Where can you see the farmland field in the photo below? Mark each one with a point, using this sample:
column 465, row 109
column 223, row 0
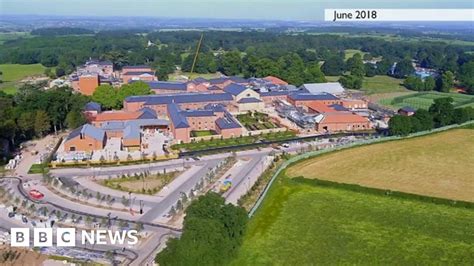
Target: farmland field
column 308, row 224
column 425, row 99
column 12, row 73
column 438, row 165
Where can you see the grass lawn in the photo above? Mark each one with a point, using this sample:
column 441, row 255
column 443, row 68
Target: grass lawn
column 37, row 169
column 425, row 99
column 12, row 73
column 382, row 84
column 308, row 224
column 439, row 165
column 377, row 84
column 137, row 184
column 16, row 72
column 351, row 52
column 202, row 133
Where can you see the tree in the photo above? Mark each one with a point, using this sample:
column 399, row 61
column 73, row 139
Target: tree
column 466, row 76
column 106, row 95
column 424, row 120
column 403, row 69
column 231, row 63
column 131, row 89
column 266, row 67
column 351, row 82
column 42, row 123
column 414, row 83
column 314, row 74
column 442, row 111
column 26, row 122
column 430, row 83
column 75, row 119
column 333, row 66
column 445, row 82
column 400, row 125
column 461, row 115
column 355, row 65
column 370, row 70
column 212, row 233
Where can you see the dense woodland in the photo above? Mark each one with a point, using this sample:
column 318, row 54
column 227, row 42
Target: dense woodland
column 293, row 57
column 33, row 112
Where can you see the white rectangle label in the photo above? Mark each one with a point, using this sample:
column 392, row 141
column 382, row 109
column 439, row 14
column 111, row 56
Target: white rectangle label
column 367, row 14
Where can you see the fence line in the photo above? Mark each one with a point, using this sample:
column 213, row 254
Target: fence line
column 359, row 143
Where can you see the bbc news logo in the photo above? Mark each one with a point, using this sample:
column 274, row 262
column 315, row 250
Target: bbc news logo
column 66, row 237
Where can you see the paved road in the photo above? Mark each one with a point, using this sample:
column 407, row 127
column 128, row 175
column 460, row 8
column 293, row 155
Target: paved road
column 160, row 208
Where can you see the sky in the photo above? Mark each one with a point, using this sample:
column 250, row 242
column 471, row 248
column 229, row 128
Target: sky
column 227, row 9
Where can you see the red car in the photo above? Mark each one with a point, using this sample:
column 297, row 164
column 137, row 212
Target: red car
column 35, row 194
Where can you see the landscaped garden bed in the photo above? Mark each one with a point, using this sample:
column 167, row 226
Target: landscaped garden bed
column 141, row 183
column 256, row 121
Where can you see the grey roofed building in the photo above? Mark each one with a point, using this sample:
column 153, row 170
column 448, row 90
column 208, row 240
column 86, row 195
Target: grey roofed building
column 165, row 85
column 338, row 107
column 274, row 93
column 136, row 73
column 200, row 80
column 119, row 125
column 181, row 98
column 131, row 132
column 328, row 87
column 305, row 96
column 197, row 113
column 236, row 79
column 178, row 120
column 227, row 122
column 215, row 107
column 218, row 80
column 147, row 113
column 234, row 89
column 87, row 130
column 407, row 109
column 93, row 106
column 135, row 67
column 249, row 100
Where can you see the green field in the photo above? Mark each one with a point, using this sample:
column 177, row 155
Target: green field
column 425, row 99
column 8, row 36
column 377, row 84
column 12, row 73
column 351, row 52
column 202, row 133
column 309, row 224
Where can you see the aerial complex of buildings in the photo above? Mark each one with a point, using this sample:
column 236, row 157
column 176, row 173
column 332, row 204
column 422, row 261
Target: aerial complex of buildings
column 177, row 110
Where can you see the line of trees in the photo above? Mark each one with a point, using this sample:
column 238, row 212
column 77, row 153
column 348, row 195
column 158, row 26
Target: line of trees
column 441, row 113
column 240, row 53
column 212, row 233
